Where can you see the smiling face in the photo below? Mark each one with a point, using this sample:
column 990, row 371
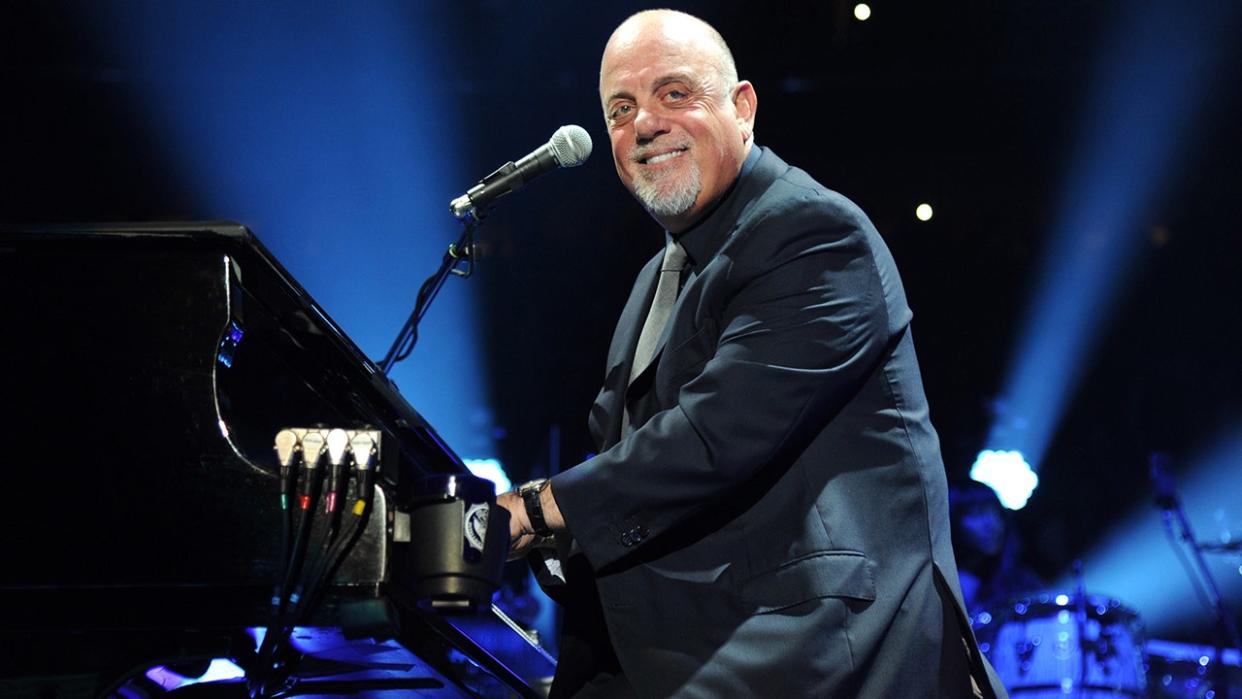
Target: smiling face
column 679, row 122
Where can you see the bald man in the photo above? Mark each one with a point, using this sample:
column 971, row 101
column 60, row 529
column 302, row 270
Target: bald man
column 767, row 515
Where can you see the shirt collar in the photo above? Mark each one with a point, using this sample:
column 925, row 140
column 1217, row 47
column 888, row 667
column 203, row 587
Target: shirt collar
column 702, row 240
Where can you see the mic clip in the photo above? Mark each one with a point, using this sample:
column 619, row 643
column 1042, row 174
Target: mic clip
column 464, row 207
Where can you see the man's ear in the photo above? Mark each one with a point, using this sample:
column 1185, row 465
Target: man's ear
column 745, row 101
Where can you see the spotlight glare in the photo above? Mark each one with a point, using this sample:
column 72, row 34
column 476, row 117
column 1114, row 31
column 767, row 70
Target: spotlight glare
column 923, row 212
column 1008, row 474
column 492, row 470
column 862, row 12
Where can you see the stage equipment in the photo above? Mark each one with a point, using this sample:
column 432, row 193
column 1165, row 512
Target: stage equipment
column 1182, row 538
column 1177, row 670
column 1054, row 646
column 570, row 146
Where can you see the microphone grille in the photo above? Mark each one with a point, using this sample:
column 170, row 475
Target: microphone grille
column 571, row 145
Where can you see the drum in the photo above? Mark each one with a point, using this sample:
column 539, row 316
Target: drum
column 1178, row 670
column 1065, row 647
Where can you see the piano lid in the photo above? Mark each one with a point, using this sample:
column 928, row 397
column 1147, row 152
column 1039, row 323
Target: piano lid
column 153, row 364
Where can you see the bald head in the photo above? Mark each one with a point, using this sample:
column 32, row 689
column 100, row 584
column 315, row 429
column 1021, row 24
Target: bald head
column 679, row 120
column 680, row 28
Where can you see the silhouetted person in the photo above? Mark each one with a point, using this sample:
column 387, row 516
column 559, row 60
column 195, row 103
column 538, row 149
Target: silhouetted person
column 988, row 551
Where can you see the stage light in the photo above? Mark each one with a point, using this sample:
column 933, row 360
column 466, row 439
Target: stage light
column 923, row 212
column 862, row 12
column 1008, row 474
column 492, row 470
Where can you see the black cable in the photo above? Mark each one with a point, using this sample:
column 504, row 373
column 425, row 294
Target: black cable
column 408, row 336
column 328, row 544
column 267, row 651
column 269, row 662
column 317, row 584
column 313, row 591
column 426, row 294
column 323, row 584
column 462, row 250
column 286, row 534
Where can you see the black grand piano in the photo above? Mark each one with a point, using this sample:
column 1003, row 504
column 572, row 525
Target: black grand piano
column 145, row 372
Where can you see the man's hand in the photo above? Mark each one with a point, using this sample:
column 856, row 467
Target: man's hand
column 521, row 534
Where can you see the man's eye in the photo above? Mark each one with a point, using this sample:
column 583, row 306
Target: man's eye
column 675, row 95
column 621, row 110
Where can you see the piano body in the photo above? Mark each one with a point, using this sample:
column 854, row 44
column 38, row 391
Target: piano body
column 146, row 370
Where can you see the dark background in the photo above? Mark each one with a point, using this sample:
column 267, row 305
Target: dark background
column 974, row 107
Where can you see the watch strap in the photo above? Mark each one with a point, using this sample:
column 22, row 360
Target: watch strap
column 531, row 493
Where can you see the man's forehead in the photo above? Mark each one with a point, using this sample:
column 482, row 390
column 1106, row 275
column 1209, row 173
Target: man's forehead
column 646, row 67
column 633, row 57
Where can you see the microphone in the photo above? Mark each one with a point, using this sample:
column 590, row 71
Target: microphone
column 569, row 147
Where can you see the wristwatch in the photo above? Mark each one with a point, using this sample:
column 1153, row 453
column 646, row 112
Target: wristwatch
column 530, row 492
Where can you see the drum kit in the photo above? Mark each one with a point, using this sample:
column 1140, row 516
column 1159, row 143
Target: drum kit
column 1081, row 646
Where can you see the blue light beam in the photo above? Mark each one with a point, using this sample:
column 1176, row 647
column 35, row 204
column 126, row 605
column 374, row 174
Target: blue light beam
column 330, row 129
column 1149, row 85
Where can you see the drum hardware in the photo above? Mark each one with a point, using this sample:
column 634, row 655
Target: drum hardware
column 1105, row 648
column 1025, row 650
column 1179, row 670
column 1177, row 526
column 1058, row 645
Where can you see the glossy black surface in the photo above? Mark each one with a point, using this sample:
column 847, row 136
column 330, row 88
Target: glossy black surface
column 145, row 371
column 143, row 453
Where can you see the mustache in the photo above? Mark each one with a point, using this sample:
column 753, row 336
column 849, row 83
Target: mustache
column 638, row 154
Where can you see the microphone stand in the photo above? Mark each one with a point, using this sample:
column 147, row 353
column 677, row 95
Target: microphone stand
column 459, row 254
column 1227, row 628
column 1080, row 619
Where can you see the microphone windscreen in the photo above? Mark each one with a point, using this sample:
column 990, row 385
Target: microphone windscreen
column 571, row 145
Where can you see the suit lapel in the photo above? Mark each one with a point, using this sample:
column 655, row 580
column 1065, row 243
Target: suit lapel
column 606, row 413
column 701, row 243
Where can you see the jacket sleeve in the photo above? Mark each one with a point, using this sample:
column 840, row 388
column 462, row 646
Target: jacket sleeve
column 803, row 323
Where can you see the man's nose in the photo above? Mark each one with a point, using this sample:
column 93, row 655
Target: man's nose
column 648, row 124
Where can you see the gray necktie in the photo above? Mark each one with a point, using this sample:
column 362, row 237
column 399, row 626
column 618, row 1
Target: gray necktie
column 661, row 307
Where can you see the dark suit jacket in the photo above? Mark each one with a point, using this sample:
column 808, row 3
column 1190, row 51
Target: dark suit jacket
column 776, row 524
